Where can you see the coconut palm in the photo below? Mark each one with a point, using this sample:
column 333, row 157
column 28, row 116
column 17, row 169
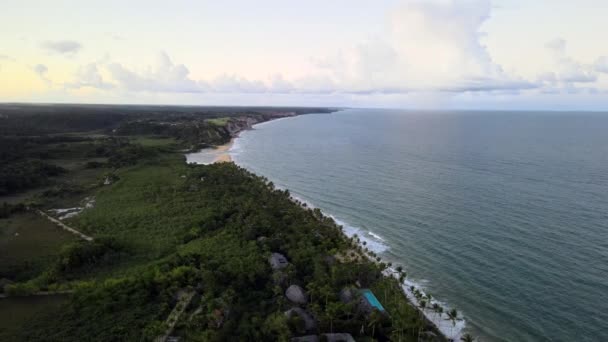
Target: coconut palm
column 467, row 338
column 374, row 319
column 453, row 316
column 422, row 305
column 402, row 278
column 435, row 307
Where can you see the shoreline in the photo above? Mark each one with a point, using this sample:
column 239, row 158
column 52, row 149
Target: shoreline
column 440, row 323
column 224, row 152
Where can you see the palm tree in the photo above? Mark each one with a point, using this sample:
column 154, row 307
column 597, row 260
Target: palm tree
column 374, row 319
column 439, row 310
column 435, row 307
column 422, row 305
column 467, row 338
column 452, row 316
column 429, row 297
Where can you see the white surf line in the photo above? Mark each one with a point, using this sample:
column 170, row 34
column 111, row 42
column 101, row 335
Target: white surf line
column 64, row 226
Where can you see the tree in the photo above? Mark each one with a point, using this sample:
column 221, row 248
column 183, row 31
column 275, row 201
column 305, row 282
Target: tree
column 467, row 338
column 374, row 320
column 453, row 316
column 333, row 311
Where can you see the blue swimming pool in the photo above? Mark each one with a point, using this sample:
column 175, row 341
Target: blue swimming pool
column 371, row 299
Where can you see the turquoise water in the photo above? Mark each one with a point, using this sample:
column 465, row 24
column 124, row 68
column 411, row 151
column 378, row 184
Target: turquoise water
column 503, row 216
column 373, row 301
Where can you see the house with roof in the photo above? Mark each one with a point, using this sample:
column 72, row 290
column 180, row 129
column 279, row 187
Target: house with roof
column 277, row 261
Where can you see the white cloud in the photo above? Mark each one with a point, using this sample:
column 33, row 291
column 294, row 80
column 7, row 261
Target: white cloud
column 568, row 71
column 601, row 64
column 89, row 76
column 65, row 47
column 163, row 77
column 235, row 84
column 431, row 46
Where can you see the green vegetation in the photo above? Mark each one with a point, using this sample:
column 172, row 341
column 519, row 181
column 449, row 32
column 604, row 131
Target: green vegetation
column 219, row 121
column 16, row 310
column 27, row 245
column 164, row 231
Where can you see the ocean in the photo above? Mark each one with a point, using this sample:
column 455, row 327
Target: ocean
column 501, row 215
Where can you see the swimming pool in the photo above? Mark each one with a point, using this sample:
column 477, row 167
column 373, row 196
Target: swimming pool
column 371, row 299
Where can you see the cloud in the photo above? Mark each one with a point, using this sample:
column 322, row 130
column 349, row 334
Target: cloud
column 601, row 64
column 558, row 45
column 115, row 36
column 235, row 84
column 41, row 70
column 431, row 45
column 89, row 76
column 6, row 58
column 65, row 47
column 568, row 71
column 165, row 76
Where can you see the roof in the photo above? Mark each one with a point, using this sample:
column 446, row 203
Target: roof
column 278, row 261
column 296, row 294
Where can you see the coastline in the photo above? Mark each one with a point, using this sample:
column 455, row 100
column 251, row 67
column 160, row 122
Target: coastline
column 439, row 321
column 223, row 150
column 221, row 153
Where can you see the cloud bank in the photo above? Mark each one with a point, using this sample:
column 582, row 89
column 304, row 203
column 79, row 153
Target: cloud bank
column 432, row 46
column 64, row 47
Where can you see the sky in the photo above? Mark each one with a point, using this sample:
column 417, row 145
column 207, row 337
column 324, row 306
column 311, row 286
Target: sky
column 430, row 54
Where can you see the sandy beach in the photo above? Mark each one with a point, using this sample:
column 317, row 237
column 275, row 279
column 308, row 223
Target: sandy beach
column 222, row 152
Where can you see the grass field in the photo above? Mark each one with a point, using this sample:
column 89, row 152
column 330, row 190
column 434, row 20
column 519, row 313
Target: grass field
column 219, row 121
column 16, row 311
column 153, row 141
column 27, row 239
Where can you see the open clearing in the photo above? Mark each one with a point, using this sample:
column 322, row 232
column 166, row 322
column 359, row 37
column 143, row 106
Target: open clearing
column 28, row 239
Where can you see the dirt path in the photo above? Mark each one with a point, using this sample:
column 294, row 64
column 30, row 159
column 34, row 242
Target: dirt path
column 184, row 300
column 64, row 226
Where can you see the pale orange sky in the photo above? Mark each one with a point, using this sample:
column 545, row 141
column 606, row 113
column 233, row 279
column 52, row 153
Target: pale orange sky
column 432, row 53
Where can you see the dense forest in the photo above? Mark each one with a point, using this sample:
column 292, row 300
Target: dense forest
column 174, row 250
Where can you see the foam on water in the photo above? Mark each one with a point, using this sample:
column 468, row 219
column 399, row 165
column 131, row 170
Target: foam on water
column 480, row 204
column 449, row 328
